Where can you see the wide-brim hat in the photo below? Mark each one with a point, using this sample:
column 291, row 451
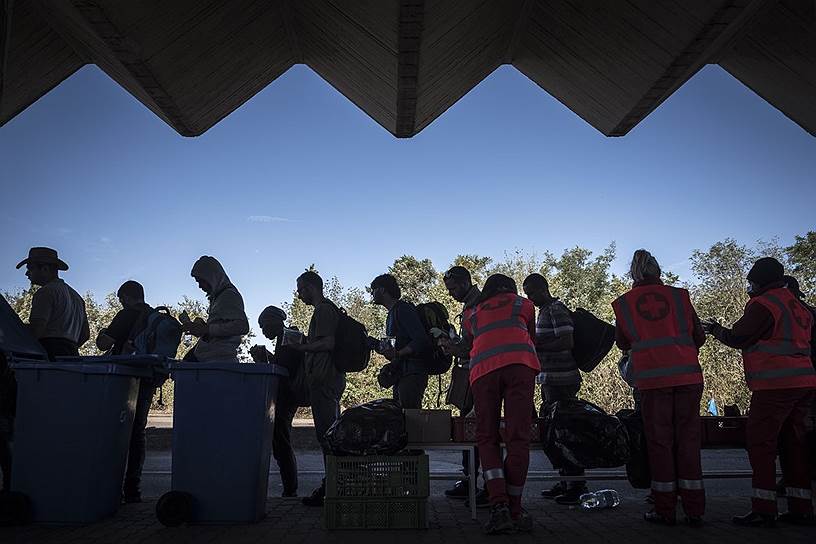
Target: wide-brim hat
column 44, row 255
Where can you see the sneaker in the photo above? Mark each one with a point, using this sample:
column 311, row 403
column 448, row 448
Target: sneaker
column 459, row 490
column 658, row 519
column 558, row 489
column 755, row 519
column 524, row 522
column 316, row 498
column 572, row 496
column 482, row 499
column 796, row 518
column 289, row 494
column 499, row 522
column 694, row 521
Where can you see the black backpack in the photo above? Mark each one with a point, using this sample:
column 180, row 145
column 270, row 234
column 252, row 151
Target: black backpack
column 435, row 315
column 351, row 352
column 592, row 339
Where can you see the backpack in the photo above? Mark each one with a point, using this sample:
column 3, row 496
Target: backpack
column 351, row 352
column 592, row 339
column 161, row 334
column 435, row 315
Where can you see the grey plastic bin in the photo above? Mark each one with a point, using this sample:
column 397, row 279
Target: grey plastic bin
column 73, row 428
column 222, row 443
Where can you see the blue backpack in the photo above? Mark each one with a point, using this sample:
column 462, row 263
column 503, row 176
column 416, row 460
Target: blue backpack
column 161, row 334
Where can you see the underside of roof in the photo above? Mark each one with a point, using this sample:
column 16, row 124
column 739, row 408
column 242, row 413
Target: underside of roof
column 404, row 62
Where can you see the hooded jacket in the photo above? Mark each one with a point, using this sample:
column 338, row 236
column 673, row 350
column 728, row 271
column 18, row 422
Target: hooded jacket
column 227, row 322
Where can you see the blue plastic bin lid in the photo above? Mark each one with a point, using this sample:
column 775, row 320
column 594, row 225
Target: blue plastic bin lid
column 240, row 368
column 15, row 338
column 111, row 369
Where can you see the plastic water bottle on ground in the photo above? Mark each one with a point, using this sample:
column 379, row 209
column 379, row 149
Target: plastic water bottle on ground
column 597, row 500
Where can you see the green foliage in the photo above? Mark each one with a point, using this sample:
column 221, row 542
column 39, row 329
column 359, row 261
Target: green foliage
column 802, row 260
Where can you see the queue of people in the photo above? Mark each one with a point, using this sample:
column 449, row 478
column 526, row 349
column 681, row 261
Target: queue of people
column 504, row 348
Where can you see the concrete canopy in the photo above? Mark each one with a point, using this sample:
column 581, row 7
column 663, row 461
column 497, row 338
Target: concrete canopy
column 404, row 62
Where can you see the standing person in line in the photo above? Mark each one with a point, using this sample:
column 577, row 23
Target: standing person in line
column 412, row 341
column 774, row 335
column 503, row 366
column 323, row 381
column 220, row 336
column 560, row 378
column 117, row 337
column 290, row 397
column 658, row 326
column 461, row 288
column 58, row 319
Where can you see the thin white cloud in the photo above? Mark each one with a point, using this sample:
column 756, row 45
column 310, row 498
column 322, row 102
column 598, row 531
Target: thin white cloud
column 268, row 219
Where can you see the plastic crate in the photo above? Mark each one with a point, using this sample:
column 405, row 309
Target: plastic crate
column 349, row 513
column 378, row 476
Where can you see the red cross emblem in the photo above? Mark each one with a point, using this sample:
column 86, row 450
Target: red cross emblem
column 652, row 306
column 799, row 313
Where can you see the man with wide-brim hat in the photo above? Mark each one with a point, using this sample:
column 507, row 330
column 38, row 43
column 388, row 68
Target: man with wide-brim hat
column 58, row 318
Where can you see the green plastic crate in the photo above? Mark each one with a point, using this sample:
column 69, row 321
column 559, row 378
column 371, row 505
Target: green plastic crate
column 351, row 513
column 378, row 476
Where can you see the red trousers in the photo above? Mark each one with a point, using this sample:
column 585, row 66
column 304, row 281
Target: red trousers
column 513, row 386
column 776, row 422
column 671, row 423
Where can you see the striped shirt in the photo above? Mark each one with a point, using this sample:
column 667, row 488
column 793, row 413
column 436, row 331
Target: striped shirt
column 554, row 345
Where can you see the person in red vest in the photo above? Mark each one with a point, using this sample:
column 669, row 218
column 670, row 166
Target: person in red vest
column 500, row 328
column 658, row 326
column 774, row 335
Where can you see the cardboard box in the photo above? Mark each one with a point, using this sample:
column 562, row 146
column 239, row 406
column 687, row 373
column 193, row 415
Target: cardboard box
column 426, row 426
column 464, row 429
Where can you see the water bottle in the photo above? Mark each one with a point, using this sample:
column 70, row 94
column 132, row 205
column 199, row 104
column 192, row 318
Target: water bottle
column 597, row 500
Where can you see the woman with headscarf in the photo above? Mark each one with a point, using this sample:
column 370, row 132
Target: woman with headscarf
column 657, row 324
column 220, row 336
column 500, row 328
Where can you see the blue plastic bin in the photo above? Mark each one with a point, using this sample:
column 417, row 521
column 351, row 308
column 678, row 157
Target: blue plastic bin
column 222, row 442
column 73, row 428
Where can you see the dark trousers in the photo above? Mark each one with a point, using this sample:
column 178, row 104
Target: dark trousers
column 671, row 423
column 776, row 422
column 138, row 441
column 59, row 347
column 512, row 386
column 324, row 399
column 6, row 437
column 465, row 456
column 551, row 394
column 282, row 450
column 410, row 390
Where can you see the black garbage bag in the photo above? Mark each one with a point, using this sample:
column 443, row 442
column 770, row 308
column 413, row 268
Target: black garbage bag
column 637, row 469
column 582, row 434
column 373, row 428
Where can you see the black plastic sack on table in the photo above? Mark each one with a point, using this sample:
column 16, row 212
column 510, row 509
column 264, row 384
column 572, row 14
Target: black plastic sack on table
column 373, row 428
column 637, row 469
column 580, row 433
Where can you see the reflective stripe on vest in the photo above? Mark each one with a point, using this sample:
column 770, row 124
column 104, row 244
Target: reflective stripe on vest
column 779, row 373
column 667, row 371
column 498, row 350
column 512, row 321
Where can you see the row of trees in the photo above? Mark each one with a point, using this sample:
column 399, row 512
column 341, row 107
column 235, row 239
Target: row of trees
column 577, row 276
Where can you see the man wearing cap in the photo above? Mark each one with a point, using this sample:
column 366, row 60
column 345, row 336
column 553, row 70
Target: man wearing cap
column 774, row 335
column 58, row 319
column 291, row 393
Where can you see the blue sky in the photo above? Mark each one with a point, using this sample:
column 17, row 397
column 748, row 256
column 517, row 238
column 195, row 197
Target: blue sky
column 299, row 175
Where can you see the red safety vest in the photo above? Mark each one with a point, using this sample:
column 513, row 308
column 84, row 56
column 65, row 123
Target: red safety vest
column 657, row 320
column 783, row 360
column 500, row 328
